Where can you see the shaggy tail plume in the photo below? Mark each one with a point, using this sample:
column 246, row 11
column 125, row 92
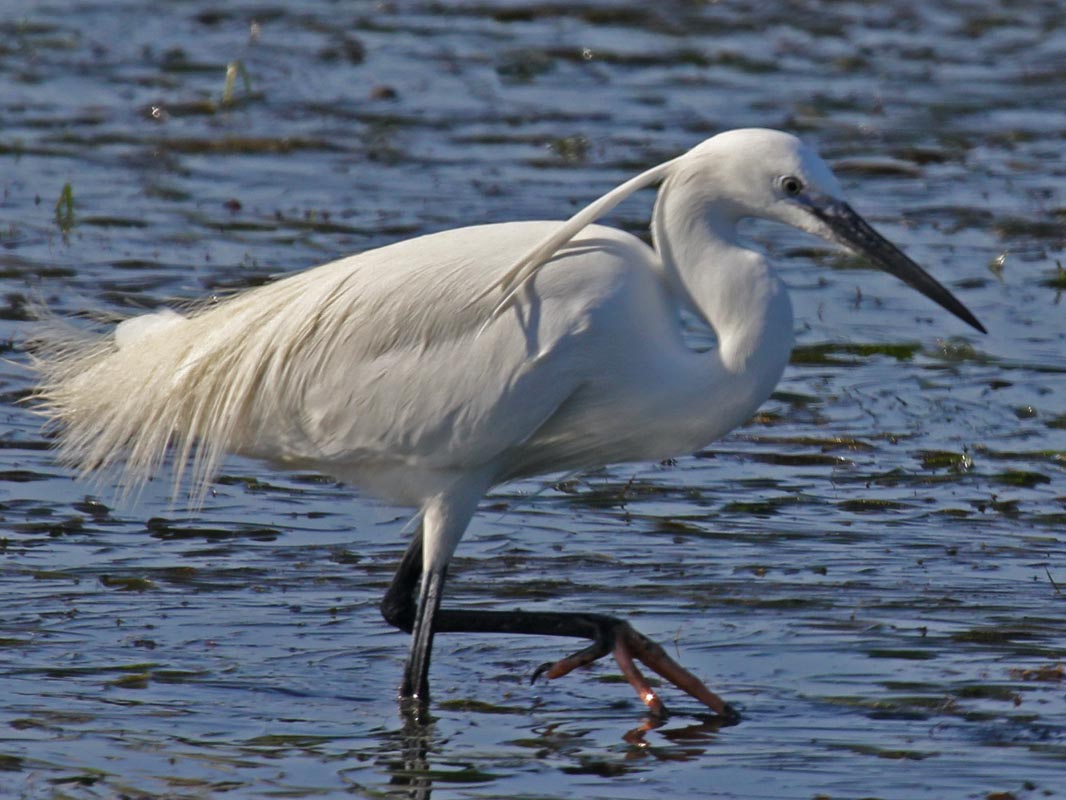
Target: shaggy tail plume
column 157, row 383
column 110, row 396
column 197, row 385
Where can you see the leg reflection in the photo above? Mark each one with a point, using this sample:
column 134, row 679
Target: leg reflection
column 410, row 773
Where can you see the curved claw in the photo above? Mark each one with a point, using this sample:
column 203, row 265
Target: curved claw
column 547, row 665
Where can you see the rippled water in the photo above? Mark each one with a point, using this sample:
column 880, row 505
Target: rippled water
column 873, row 570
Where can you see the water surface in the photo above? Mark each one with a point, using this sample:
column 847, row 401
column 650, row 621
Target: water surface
column 873, row 570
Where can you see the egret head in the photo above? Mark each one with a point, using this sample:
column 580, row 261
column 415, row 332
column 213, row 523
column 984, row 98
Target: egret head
column 763, row 173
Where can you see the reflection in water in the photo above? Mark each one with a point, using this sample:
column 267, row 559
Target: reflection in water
column 687, row 742
column 406, row 752
column 411, row 773
column 636, row 738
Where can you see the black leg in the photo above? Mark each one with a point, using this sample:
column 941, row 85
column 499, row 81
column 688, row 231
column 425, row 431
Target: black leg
column 608, row 634
column 400, row 610
column 398, row 606
column 416, row 672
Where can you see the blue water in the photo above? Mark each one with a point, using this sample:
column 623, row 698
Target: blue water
column 873, row 570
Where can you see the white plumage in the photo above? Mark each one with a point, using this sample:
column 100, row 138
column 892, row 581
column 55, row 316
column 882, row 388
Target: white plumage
column 432, row 369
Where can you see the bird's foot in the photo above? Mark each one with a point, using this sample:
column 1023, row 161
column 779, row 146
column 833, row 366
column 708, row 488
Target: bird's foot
column 626, row 644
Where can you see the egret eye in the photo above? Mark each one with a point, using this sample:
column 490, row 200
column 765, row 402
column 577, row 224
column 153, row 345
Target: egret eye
column 791, row 185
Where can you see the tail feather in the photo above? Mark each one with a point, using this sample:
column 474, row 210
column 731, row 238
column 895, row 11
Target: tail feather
column 155, row 383
column 197, row 385
column 106, row 394
column 131, row 331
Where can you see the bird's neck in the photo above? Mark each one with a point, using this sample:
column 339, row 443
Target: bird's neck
column 732, row 287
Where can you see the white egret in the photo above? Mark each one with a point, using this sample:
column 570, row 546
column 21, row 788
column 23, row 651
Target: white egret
column 432, row 369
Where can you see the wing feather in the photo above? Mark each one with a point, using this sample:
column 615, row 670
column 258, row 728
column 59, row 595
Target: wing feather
column 369, row 362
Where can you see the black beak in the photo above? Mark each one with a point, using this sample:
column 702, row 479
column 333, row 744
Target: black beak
column 855, row 233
